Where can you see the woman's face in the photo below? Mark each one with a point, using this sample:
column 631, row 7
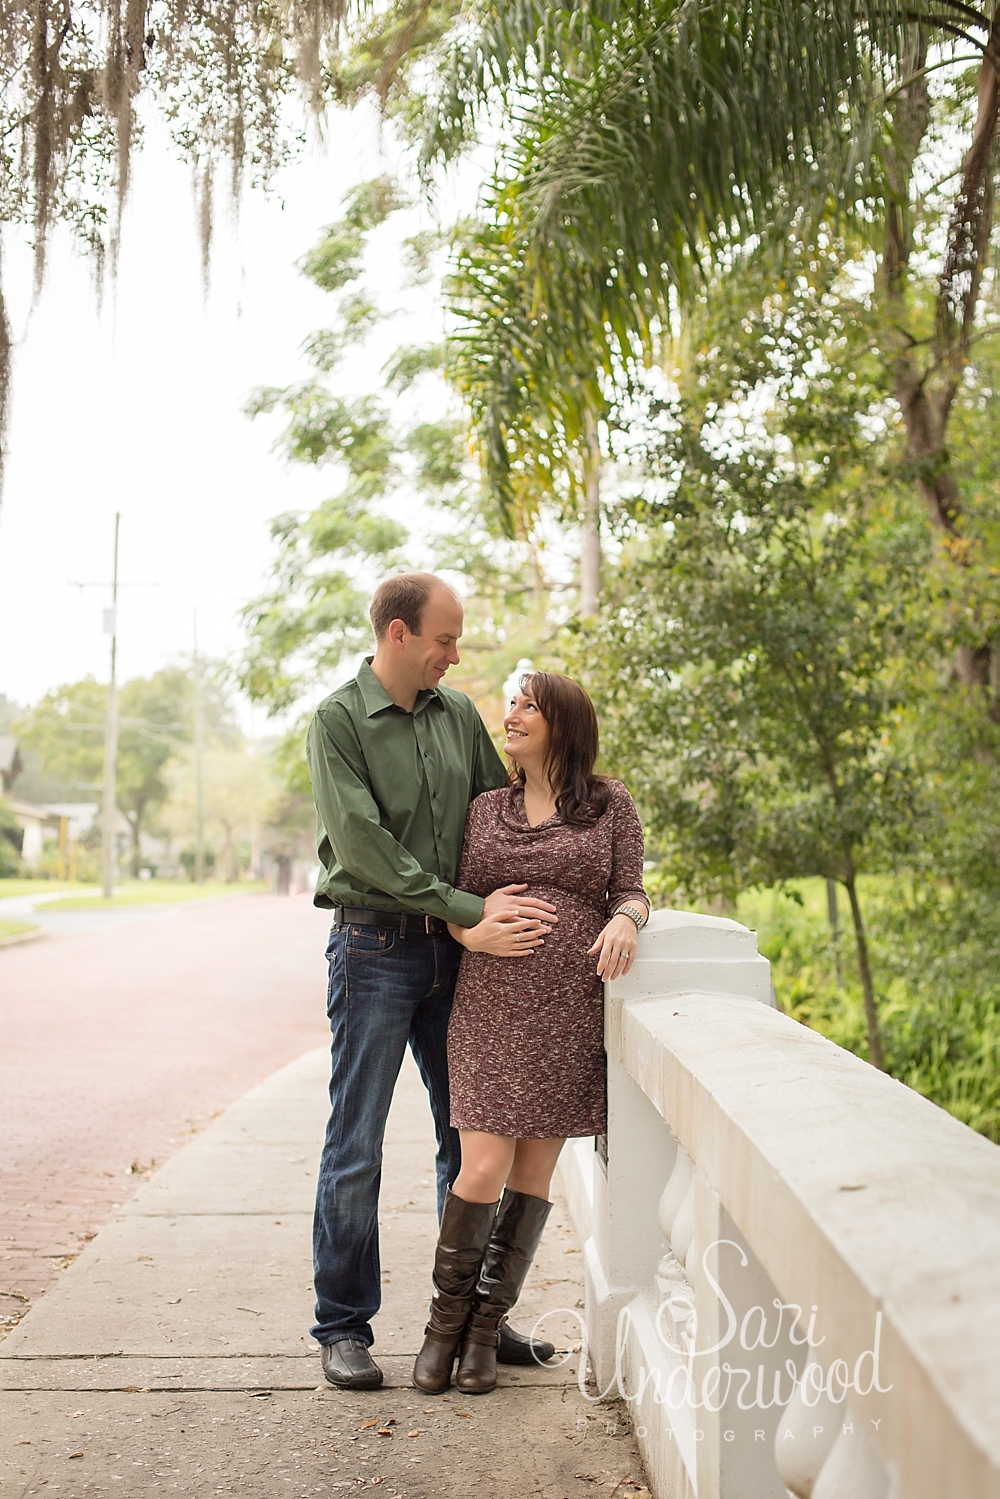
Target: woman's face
column 527, row 732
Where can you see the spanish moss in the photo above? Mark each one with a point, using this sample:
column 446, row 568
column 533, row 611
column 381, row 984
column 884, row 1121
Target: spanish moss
column 74, row 76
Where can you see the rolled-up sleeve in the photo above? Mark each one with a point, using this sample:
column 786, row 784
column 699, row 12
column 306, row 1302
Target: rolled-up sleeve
column 349, row 820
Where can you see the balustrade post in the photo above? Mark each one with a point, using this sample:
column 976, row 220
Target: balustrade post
column 678, row 951
column 740, row 1385
column 627, row 1239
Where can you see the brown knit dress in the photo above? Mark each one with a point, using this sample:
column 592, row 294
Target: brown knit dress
column 526, row 1039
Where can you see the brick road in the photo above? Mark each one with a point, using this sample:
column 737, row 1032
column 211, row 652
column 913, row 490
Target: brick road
column 117, row 1046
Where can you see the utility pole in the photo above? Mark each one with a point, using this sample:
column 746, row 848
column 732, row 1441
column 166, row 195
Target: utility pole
column 199, row 788
column 109, row 811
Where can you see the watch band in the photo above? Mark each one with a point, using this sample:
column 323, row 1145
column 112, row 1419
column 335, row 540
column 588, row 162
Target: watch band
column 636, row 913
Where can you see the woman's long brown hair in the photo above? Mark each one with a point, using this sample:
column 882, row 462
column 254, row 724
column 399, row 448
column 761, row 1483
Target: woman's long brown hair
column 574, row 739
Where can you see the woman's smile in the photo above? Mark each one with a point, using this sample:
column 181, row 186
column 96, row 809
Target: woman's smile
column 524, row 726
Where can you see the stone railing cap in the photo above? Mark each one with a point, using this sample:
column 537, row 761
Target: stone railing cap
column 687, row 934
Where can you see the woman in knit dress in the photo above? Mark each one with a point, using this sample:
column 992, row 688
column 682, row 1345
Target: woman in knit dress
column 526, row 1040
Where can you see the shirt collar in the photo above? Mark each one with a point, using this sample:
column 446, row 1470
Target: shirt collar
column 375, row 697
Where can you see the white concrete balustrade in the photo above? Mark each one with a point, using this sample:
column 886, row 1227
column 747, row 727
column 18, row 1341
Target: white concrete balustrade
column 793, row 1261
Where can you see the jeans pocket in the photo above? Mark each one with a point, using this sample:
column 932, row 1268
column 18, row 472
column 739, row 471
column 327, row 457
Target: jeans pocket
column 370, row 939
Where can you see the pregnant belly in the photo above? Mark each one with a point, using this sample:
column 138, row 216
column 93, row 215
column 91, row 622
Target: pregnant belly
column 571, row 908
column 565, row 948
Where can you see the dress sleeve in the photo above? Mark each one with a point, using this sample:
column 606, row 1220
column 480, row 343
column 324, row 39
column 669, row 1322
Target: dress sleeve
column 627, row 849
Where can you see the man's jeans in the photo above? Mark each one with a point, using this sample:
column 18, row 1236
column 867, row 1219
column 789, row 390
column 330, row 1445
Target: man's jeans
column 385, row 990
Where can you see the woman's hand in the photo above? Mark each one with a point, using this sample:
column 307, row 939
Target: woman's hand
column 504, row 935
column 616, row 946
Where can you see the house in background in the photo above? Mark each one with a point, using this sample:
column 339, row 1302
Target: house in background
column 64, row 823
column 43, row 824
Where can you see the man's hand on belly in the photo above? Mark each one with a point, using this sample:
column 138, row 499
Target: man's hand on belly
column 512, row 926
column 504, row 936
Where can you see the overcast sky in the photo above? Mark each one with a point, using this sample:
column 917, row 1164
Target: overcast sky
column 137, row 408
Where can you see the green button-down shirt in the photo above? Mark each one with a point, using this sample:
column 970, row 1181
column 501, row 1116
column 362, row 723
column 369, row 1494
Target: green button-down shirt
column 392, row 789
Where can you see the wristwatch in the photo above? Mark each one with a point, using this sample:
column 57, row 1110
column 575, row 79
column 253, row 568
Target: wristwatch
column 638, row 915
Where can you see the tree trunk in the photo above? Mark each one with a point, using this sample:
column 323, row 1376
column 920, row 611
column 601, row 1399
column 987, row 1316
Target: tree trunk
column 590, row 543
column 230, row 857
column 875, row 1053
column 833, row 918
column 926, row 389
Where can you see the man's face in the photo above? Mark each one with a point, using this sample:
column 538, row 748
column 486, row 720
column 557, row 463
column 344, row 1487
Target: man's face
column 427, row 656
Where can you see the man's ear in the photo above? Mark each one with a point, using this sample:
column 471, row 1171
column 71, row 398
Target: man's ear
column 397, row 633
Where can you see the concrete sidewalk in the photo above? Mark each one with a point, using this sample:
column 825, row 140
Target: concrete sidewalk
column 173, row 1354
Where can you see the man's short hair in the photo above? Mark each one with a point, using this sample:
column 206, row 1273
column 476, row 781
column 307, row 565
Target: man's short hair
column 404, row 597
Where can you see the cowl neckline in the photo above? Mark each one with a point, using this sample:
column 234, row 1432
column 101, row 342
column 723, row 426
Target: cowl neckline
column 513, row 815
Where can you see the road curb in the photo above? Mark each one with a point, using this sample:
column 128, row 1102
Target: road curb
column 19, row 937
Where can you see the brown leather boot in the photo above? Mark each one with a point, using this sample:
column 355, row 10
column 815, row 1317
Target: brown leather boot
column 464, row 1233
column 509, row 1253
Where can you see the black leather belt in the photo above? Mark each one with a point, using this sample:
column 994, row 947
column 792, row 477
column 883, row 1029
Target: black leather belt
column 403, row 922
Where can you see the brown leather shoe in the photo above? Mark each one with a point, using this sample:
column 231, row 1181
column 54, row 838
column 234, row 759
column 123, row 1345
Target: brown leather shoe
column 465, row 1231
column 509, row 1253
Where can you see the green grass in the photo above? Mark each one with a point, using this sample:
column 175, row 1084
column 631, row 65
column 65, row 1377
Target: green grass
column 155, row 892
column 39, row 887
column 15, row 928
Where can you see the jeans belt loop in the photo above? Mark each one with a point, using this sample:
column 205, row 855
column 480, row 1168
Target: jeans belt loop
column 402, row 926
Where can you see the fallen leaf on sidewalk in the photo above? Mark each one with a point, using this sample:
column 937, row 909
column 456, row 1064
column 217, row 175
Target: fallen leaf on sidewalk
column 249, row 1309
column 75, row 1454
column 384, row 1431
column 365, row 1424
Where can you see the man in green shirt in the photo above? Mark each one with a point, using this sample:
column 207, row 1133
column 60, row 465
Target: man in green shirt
column 395, row 759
